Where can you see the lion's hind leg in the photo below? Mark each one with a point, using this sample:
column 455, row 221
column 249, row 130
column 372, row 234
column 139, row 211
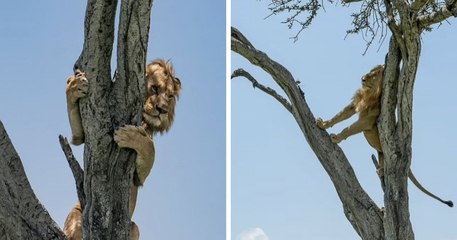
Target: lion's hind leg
column 134, row 231
column 72, row 227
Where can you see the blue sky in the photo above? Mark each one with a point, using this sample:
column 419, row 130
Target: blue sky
column 184, row 197
column 279, row 189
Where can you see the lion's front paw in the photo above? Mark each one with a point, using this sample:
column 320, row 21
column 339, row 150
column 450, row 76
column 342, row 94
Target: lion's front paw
column 77, row 87
column 335, row 138
column 76, row 140
column 132, row 137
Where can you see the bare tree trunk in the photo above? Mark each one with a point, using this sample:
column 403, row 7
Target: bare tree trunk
column 21, row 214
column 108, row 169
column 396, row 133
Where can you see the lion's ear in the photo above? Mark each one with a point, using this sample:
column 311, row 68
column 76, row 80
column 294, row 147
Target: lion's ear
column 177, row 83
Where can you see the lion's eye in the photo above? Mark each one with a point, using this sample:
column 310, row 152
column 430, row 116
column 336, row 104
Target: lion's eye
column 154, row 89
column 171, row 97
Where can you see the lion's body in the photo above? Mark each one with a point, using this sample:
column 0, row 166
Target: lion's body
column 159, row 110
column 367, row 103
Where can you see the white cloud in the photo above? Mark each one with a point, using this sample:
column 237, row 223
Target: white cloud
column 253, row 234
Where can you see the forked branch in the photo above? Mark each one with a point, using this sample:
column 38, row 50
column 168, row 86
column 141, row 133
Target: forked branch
column 242, row 73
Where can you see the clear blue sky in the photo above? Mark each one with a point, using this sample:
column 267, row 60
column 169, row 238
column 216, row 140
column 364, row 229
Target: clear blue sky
column 279, row 189
column 184, row 197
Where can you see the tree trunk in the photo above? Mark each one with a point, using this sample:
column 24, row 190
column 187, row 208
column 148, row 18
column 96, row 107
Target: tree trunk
column 108, row 170
column 396, row 133
column 21, row 214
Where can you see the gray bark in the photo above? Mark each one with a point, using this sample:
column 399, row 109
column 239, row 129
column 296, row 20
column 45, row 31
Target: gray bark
column 396, row 132
column 108, row 170
column 21, row 214
column 76, row 169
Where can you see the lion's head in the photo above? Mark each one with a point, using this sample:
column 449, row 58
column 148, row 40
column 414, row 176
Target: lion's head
column 163, row 89
column 368, row 95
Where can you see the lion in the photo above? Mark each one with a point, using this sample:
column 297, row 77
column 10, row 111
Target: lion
column 367, row 102
column 77, row 87
column 162, row 92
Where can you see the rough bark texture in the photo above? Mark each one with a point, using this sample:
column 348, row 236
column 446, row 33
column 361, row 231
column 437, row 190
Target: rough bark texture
column 21, row 214
column 108, row 169
column 76, row 169
column 396, row 132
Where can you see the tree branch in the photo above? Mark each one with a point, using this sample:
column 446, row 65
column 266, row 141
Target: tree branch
column 417, row 5
column 21, row 214
column 76, row 169
column 351, row 1
column 242, row 73
column 447, row 10
column 296, row 8
column 402, row 7
column 359, row 208
column 393, row 26
column 99, row 180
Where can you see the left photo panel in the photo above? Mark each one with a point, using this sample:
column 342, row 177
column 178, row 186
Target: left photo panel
column 112, row 120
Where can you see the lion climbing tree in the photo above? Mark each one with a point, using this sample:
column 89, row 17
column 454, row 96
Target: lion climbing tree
column 112, row 101
column 406, row 22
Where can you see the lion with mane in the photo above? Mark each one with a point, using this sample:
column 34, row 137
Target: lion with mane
column 367, row 102
column 162, row 92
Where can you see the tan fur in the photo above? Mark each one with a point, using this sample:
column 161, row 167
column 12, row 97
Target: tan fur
column 77, row 86
column 163, row 89
column 367, row 102
column 73, row 227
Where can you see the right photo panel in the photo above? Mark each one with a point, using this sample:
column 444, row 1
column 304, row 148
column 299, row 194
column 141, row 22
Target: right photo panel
column 342, row 116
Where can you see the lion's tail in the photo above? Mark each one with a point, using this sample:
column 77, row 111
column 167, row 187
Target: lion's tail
column 418, row 185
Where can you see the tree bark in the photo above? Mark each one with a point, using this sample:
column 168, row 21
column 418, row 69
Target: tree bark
column 396, row 132
column 21, row 214
column 108, row 170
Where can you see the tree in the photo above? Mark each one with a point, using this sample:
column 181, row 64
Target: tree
column 407, row 23
column 108, row 170
column 21, row 214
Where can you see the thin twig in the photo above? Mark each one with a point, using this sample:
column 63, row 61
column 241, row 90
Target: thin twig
column 242, row 73
column 76, row 169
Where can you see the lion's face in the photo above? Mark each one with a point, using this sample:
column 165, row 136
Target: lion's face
column 373, row 79
column 162, row 92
